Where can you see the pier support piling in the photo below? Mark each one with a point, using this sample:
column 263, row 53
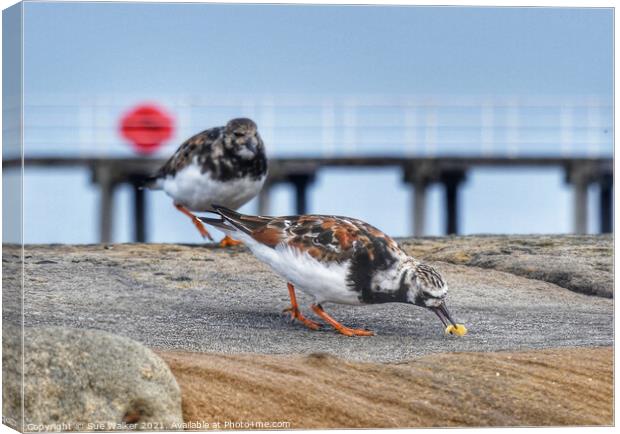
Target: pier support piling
column 420, row 175
column 263, row 199
column 606, row 203
column 139, row 210
column 419, row 207
column 300, row 184
column 580, row 176
column 451, row 180
column 580, row 208
column 103, row 176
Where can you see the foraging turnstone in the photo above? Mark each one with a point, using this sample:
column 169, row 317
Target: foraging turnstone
column 338, row 260
column 224, row 165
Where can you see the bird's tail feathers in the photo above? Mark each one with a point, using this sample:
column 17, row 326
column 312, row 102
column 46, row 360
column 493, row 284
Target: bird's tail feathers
column 242, row 222
column 152, row 183
column 226, row 212
column 219, row 223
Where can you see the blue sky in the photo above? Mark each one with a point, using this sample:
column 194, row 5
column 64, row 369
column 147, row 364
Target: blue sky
column 74, row 52
column 193, row 48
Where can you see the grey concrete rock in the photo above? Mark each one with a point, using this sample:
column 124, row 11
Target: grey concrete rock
column 200, row 298
column 582, row 264
column 85, row 380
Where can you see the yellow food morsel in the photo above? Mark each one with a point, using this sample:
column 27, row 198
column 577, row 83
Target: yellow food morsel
column 459, row 330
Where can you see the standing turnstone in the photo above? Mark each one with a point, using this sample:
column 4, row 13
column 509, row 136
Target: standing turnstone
column 338, row 260
column 224, row 165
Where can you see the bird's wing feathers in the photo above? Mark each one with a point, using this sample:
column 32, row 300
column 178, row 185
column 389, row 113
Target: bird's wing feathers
column 196, row 145
column 325, row 238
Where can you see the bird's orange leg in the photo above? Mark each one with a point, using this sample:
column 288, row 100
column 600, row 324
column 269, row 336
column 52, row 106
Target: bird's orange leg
column 201, row 228
column 296, row 314
column 227, row 242
column 335, row 324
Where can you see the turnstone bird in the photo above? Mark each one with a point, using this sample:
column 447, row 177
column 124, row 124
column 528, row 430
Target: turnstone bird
column 224, row 165
column 338, row 260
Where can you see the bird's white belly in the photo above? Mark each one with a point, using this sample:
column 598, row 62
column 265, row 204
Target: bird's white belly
column 326, row 283
column 198, row 191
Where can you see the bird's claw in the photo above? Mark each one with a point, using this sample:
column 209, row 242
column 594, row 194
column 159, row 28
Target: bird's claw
column 296, row 315
column 229, row 242
column 347, row 331
column 203, row 231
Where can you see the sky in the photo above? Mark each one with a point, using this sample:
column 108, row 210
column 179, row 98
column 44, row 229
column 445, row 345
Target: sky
column 253, row 49
column 75, row 54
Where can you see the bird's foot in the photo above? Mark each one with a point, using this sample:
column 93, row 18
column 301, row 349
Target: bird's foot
column 297, row 315
column 199, row 225
column 347, row 331
column 342, row 329
column 229, row 242
column 201, row 228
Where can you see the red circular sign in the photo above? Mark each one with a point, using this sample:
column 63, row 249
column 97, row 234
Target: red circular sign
column 146, row 127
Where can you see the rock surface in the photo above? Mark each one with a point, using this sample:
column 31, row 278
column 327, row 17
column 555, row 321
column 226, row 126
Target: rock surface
column 85, row 380
column 200, row 298
column 580, row 263
column 555, row 387
column 12, row 373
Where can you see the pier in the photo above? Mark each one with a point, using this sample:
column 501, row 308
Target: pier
column 418, row 172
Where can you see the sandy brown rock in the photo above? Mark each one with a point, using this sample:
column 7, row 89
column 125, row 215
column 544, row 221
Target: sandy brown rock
column 548, row 387
column 12, row 374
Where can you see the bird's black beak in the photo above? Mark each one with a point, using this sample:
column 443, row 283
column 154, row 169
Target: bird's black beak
column 444, row 314
column 251, row 145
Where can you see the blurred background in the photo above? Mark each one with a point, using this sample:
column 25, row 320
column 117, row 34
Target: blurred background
column 507, row 84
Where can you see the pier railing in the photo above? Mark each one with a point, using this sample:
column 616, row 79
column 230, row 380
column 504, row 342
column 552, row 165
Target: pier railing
column 334, row 126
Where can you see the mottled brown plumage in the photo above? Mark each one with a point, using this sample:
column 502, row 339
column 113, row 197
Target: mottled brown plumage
column 216, row 151
column 326, row 238
column 227, row 165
